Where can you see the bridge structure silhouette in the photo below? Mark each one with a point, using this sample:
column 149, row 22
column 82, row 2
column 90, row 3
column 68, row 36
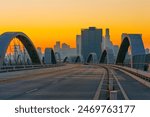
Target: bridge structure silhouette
column 51, row 77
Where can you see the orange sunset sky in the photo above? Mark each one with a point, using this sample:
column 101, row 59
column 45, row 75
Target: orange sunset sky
column 47, row 21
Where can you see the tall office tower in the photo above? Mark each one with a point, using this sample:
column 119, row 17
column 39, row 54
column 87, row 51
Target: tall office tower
column 116, row 50
column 48, row 56
column 103, row 43
column 57, row 46
column 39, row 51
column 107, row 34
column 108, row 43
column 78, row 44
column 108, row 46
column 91, row 42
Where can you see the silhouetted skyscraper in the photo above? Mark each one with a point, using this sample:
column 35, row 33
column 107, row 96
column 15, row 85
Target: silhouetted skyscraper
column 108, row 43
column 107, row 33
column 116, row 49
column 91, row 42
column 78, row 44
column 108, row 46
column 39, row 51
column 57, row 46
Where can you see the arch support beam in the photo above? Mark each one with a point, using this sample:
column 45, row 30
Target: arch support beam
column 134, row 41
column 58, row 56
column 107, row 57
column 7, row 37
column 92, row 58
column 78, row 59
column 49, row 57
column 103, row 58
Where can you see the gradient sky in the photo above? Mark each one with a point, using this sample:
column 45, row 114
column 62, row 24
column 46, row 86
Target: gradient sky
column 47, row 21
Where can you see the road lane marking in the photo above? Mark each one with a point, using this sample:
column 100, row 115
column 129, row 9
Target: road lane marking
column 98, row 91
column 30, row 91
column 121, row 88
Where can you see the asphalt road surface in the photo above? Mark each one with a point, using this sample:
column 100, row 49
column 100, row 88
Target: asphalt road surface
column 73, row 82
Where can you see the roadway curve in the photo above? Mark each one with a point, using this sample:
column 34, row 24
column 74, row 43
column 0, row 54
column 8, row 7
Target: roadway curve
column 66, row 82
column 81, row 82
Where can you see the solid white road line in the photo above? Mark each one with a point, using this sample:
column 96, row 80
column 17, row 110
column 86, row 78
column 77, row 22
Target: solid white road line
column 121, row 88
column 98, row 91
column 31, row 91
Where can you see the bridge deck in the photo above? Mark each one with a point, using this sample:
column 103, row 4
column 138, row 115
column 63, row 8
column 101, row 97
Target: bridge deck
column 70, row 82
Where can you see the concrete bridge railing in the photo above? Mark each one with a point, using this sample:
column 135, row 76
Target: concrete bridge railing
column 27, row 67
column 142, row 74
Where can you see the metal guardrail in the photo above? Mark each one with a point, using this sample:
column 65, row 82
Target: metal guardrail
column 26, row 67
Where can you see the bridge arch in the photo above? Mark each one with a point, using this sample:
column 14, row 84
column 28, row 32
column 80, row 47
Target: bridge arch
column 7, row 37
column 78, row 59
column 66, row 59
column 49, row 57
column 58, row 56
column 73, row 59
column 134, row 41
column 92, row 58
column 103, row 58
column 107, row 57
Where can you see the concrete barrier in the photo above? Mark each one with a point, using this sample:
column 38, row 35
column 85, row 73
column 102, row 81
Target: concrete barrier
column 113, row 95
column 141, row 76
column 26, row 67
column 136, row 72
column 110, row 84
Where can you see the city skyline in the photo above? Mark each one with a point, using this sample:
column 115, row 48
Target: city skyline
column 48, row 21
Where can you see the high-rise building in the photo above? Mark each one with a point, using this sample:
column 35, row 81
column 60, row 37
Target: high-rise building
column 107, row 33
column 57, row 46
column 39, row 51
column 91, row 42
column 108, row 42
column 65, row 46
column 108, row 46
column 78, row 44
column 116, row 50
column 47, row 56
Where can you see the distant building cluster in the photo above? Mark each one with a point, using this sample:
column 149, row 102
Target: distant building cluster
column 64, row 50
column 17, row 56
column 92, row 41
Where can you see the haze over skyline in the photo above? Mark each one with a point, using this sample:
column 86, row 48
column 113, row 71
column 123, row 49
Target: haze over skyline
column 48, row 21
